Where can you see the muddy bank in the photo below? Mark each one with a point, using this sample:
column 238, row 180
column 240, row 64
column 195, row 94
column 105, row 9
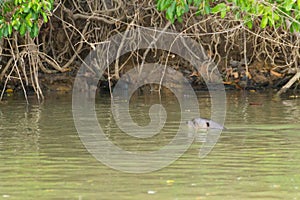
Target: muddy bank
column 260, row 76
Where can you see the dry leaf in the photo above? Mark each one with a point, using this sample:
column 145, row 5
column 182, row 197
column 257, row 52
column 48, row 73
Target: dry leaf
column 276, row 74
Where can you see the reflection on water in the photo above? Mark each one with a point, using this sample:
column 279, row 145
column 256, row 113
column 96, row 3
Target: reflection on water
column 41, row 156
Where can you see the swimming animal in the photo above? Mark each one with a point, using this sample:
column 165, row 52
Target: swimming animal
column 202, row 123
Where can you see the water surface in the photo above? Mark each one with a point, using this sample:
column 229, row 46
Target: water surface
column 42, row 157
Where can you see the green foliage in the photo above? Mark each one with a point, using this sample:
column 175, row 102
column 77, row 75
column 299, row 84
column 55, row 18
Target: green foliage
column 23, row 16
column 273, row 13
column 174, row 9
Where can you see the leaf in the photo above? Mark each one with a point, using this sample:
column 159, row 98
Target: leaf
column 272, row 72
column 271, row 21
column 264, row 21
column 166, row 4
column 289, row 4
column 218, row 8
column 248, row 7
column 16, row 26
column 171, row 12
column 186, row 8
column 197, row 3
column 180, row 19
column 197, row 13
column 39, row 6
column 223, row 13
column 249, row 24
column 26, row 8
column 45, row 17
column 276, row 17
column 22, row 29
column 298, row 3
column 261, row 9
column 34, row 7
column 34, row 31
column 34, row 16
column 5, row 30
column 295, row 27
column 268, row 11
column 179, row 11
column 28, row 17
column 28, row 22
column 158, row 5
column 52, row 4
column 207, row 9
column 278, row 24
column 9, row 28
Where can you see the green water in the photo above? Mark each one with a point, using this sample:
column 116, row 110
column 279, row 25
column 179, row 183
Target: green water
column 42, row 157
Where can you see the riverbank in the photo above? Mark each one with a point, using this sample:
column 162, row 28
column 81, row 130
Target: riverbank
column 260, row 77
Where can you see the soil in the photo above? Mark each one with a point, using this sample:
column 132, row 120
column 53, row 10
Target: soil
column 259, row 77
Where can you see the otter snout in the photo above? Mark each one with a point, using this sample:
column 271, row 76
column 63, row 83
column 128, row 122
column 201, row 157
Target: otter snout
column 202, row 123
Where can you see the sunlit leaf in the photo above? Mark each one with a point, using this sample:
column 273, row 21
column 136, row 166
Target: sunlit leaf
column 170, row 14
column 288, row 4
column 249, row 24
column 22, row 29
column 276, row 17
column 26, row 8
column 158, row 5
column 45, row 17
column 219, row 8
column 295, row 27
column 179, row 11
column 9, row 29
column 223, row 13
column 264, row 21
column 270, row 21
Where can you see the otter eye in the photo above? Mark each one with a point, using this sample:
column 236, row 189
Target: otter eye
column 207, row 124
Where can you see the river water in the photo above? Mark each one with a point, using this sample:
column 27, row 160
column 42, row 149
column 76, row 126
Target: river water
column 258, row 157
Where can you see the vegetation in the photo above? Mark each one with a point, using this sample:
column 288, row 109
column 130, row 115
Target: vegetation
column 23, row 16
column 276, row 13
column 254, row 40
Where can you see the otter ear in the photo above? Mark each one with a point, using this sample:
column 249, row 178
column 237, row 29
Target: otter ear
column 207, row 124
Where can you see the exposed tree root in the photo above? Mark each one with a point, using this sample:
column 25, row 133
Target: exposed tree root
column 76, row 28
column 295, row 78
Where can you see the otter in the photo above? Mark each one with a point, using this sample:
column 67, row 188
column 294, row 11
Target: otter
column 202, row 123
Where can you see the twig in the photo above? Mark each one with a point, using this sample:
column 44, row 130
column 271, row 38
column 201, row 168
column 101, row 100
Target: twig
column 289, row 84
